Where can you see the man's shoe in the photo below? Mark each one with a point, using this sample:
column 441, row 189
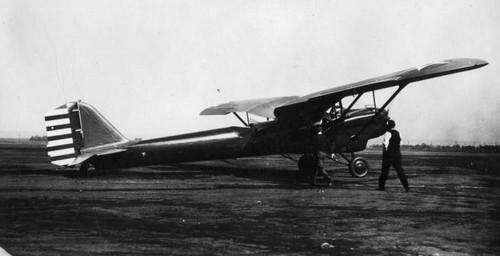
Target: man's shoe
column 407, row 190
column 380, row 189
column 330, row 183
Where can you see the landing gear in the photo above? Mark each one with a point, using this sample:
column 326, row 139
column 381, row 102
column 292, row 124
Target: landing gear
column 358, row 167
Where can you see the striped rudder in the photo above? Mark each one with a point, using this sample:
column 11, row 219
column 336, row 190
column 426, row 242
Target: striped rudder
column 63, row 134
column 76, row 132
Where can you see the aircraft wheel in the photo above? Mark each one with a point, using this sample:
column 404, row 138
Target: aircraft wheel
column 306, row 166
column 358, row 167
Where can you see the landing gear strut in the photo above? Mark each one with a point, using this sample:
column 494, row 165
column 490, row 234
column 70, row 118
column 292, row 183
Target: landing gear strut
column 358, row 166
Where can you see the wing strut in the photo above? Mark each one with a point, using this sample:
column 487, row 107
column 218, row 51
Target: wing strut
column 374, row 101
column 401, row 87
column 241, row 119
column 344, row 112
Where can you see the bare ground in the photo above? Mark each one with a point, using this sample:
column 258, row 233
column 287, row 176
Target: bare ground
column 249, row 206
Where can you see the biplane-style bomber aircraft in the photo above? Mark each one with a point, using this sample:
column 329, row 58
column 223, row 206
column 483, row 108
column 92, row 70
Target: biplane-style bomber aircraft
column 79, row 135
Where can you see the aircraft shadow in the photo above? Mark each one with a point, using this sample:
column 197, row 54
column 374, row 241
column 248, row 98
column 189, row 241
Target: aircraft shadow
column 282, row 176
column 285, row 178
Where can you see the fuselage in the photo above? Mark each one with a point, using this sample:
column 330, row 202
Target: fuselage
column 267, row 138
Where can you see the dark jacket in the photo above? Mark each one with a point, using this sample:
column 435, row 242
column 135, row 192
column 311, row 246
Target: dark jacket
column 393, row 150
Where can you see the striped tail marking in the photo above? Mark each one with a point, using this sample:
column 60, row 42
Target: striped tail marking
column 63, row 136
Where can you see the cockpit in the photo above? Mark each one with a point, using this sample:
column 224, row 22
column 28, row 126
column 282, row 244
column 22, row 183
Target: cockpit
column 360, row 107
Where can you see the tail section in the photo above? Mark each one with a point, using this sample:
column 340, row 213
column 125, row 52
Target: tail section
column 76, row 131
column 64, row 138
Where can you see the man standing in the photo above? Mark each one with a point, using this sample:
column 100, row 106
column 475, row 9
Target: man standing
column 392, row 156
column 322, row 149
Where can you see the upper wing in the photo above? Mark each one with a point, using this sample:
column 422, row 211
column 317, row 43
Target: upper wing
column 314, row 105
column 259, row 107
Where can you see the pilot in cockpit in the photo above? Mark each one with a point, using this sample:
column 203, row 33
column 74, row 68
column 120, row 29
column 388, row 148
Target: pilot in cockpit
column 331, row 115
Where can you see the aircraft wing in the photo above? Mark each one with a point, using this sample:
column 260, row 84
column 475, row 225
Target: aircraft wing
column 314, row 105
column 259, row 107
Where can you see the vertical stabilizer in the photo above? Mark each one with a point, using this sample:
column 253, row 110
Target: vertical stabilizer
column 97, row 131
column 76, row 131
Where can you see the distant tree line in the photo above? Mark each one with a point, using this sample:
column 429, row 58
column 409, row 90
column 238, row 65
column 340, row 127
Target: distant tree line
column 38, row 138
column 454, row 148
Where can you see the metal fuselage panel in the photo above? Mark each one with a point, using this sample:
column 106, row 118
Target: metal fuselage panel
column 267, row 138
column 207, row 145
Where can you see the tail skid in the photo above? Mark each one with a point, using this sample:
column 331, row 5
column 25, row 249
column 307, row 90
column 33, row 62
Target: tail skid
column 76, row 131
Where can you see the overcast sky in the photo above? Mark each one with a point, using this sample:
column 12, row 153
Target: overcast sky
column 151, row 67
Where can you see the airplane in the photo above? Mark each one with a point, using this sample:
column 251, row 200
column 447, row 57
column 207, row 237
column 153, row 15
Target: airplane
column 78, row 134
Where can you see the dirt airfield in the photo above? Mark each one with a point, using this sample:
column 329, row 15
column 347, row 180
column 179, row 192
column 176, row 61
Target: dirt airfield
column 249, row 206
